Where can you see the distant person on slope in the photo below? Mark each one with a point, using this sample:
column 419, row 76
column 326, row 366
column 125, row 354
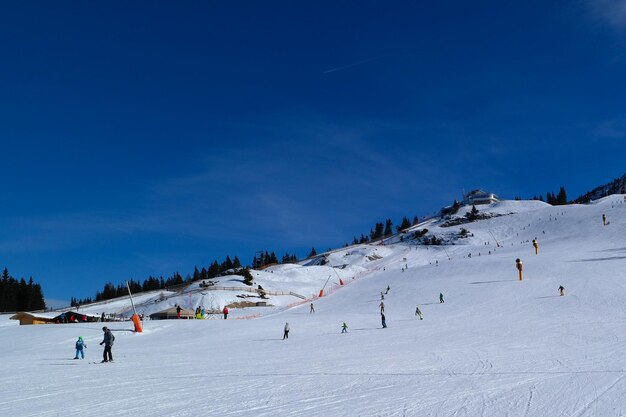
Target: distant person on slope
column 536, row 246
column 225, row 311
column 286, row 333
column 344, row 328
column 561, row 290
column 388, row 288
column 520, row 268
column 441, row 298
column 382, row 307
column 80, row 346
column 312, row 310
column 178, row 310
column 418, row 312
column 604, row 219
column 382, row 319
column 382, row 296
column 108, row 340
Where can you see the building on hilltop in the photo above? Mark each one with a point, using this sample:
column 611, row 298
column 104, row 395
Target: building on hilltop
column 476, row 197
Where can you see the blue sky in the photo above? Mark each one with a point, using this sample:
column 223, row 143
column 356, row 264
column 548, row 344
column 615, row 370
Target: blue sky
column 146, row 138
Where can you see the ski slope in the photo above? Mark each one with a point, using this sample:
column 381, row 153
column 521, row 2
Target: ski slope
column 496, row 347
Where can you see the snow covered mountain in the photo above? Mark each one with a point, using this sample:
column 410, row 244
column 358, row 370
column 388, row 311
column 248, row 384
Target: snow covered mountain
column 497, row 346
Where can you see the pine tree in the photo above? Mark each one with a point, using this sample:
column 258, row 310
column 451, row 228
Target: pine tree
column 388, row 228
column 312, row 253
column 561, row 198
column 405, row 224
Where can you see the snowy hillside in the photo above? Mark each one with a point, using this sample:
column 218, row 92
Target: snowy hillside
column 497, row 346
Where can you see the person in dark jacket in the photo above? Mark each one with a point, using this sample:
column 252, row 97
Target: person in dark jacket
column 382, row 319
column 108, row 340
column 178, row 310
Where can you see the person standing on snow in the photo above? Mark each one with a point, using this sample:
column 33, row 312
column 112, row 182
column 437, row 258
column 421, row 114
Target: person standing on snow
column 344, row 328
column 108, row 340
column 388, row 288
column 520, row 268
column 536, row 246
column 382, row 319
column 80, row 346
column 418, row 312
column 178, row 310
column 382, row 307
column 561, row 290
column 604, row 219
column 286, row 333
column 382, row 296
column 312, row 309
column 441, row 298
column 225, row 311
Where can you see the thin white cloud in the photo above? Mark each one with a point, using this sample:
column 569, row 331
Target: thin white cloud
column 610, row 129
column 611, row 12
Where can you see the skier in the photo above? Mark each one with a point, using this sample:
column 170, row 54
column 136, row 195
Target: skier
column 178, row 309
column 286, row 334
column 418, row 312
column 312, row 309
column 108, row 344
column 382, row 307
column 561, row 290
column 344, row 328
column 102, row 316
column 520, row 268
column 225, row 311
column 388, row 288
column 382, row 296
column 536, row 246
column 441, row 298
column 80, row 346
column 382, row 319
column 603, row 219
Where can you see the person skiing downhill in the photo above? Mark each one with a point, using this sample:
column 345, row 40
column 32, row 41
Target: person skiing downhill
column 388, row 288
column 80, row 346
column 561, row 290
column 344, row 328
column 108, row 340
column 418, row 312
column 286, row 333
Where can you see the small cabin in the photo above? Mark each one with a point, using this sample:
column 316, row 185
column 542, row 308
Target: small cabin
column 26, row 318
column 476, row 197
column 171, row 313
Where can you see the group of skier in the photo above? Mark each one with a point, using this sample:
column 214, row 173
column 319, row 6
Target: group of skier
column 107, row 341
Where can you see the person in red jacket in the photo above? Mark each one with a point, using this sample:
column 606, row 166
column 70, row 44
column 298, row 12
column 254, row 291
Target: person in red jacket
column 225, row 313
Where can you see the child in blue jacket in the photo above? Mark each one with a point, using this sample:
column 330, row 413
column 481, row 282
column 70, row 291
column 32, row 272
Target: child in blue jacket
column 80, row 346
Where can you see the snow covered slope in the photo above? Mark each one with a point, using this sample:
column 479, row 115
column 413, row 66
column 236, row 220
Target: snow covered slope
column 496, row 347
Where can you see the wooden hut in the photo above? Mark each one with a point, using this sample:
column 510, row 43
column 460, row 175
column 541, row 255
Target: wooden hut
column 171, row 313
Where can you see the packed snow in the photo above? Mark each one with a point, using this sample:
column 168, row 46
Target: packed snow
column 497, row 346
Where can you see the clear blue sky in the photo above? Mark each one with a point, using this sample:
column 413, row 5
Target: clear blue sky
column 143, row 138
